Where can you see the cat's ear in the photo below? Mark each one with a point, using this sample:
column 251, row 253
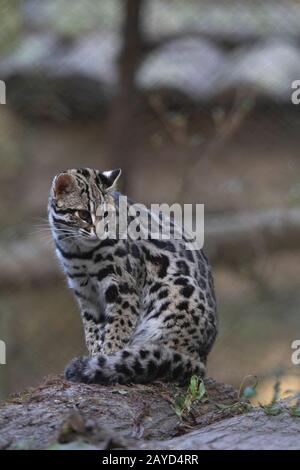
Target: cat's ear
column 109, row 178
column 63, row 184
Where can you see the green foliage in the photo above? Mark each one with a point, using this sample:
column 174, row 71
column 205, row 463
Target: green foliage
column 242, row 405
column 238, row 407
column 295, row 410
column 196, row 392
column 274, row 408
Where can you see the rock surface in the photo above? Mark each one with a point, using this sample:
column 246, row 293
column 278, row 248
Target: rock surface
column 253, row 431
column 59, row 414
column 117, row 416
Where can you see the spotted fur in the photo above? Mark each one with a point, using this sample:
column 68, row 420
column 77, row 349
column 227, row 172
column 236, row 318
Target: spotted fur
column 148, row 306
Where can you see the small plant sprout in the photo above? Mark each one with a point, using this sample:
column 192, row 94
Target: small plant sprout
column 196, row 392
column 273, row 408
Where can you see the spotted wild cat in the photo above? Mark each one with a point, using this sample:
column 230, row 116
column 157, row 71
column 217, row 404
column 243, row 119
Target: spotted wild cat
column 148, row 306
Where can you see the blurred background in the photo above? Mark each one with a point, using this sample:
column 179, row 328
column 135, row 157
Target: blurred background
column 192, row 99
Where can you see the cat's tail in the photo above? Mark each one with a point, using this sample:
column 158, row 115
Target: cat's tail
column 135, row 365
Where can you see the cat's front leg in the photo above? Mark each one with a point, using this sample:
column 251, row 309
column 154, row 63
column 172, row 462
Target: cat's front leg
column 93, row 316
column 121, row 312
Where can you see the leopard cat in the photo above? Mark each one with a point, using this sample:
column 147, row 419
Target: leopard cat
column 148, row 305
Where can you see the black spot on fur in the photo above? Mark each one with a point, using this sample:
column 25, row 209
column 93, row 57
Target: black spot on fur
column 187, row 291
column 177, row 371
column 125, row 289
column 101, row 361
column 183, row 305
column 171, row 316
column 89, row 317
column 150, row 307
column 183, row 267
column 84, row 172
column 181, row 316
column 123, row 369
column 135, row 251
column 164, row 264
column 137, row 367
column 128, row 266
column 111, row 294
column 144, row 353
column 133, row 309
column 157, row 354
column 163, row 245
column 125, row 354
column 151, row 367
column 192, row 331
column 181, row 281
column 162, row 309
column 176, row 357
column 120, row 252
column 164, row 368
column 164, row 293
column 155, row 287
column 99, row 377
column 103, row 273
column 189, row 255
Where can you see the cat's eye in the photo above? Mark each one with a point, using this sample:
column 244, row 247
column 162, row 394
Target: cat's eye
column 85, row 215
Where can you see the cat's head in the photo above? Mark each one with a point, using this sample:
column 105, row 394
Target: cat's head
column 76, row 199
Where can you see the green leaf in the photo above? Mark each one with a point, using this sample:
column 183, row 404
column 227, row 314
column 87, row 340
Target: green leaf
column 194, row 383
column 221, row 406
column 201, row 391
column 272, row 409
column 294, row 411
column 179, row 405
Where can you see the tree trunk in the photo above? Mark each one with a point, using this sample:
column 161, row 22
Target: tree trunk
column 124, row 111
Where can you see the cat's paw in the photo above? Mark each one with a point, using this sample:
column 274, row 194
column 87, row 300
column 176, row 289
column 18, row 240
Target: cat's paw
column 77, row 370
